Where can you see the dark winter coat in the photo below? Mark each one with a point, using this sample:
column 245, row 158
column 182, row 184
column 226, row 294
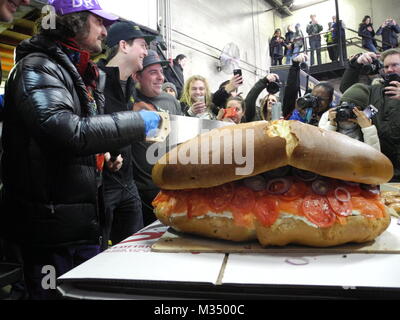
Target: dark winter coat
column 387, row 120
column 51, row 193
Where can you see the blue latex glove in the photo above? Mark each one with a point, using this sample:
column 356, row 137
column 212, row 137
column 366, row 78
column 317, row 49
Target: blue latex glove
column 151, row 122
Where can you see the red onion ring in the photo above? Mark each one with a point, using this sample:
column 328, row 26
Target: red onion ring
column 320, row 187
column 344, row 190
column 350, row 183
column 304, row 175
column 297, row 261
column 286, row 185
column 256, row 183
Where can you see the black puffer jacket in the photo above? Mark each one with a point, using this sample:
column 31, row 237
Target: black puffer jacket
column 49, row 164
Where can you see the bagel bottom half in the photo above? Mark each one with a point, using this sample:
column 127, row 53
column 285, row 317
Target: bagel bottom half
column 357, row 229
column 285, row 230
column 211, row 227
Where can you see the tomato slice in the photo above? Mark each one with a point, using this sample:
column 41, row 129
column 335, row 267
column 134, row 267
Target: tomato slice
column 243, row 200
column 297, row 190
column 266, row 210
column 317, row 210
column 341, row 208
column 220, row 197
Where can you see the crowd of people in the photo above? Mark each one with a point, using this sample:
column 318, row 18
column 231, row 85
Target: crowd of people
column 75, row 173
column 294, row 41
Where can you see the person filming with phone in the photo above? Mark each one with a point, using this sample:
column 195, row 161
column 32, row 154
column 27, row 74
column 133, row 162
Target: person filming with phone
column 384, row 95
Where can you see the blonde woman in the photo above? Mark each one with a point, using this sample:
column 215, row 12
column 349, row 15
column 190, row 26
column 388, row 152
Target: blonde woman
column 196, row 100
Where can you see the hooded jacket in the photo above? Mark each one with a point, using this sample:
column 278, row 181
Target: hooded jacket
column 51, row 194
column 387, row 121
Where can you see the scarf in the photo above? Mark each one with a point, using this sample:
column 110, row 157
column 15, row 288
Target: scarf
column 90, row 74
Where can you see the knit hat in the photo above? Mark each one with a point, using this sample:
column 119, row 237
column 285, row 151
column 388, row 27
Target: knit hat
column 169, row 85
column 357, row 94
column 64, row 7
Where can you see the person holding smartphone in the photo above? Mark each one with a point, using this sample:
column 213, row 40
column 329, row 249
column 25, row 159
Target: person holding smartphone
column 196, row 98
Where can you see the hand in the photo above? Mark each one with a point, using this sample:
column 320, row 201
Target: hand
column 198, row 107
column 366, row 58
column 234, row 83
column 272, row 77
column 151, row 121
column 362, row 119
column 301, row 58
column 221, row 114
column 393, row 90
column 332, row 117
column 113, row 166
column 369, row 29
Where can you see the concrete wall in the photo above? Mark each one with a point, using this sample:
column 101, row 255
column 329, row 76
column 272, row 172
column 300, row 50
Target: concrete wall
column 351, row 12
column 201, row 28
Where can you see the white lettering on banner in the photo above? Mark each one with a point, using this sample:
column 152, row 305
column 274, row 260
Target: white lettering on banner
column 233, row 142
column 49, row 280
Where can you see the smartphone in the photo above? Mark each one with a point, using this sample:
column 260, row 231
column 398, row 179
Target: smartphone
column 370, row 111
column 237, row 72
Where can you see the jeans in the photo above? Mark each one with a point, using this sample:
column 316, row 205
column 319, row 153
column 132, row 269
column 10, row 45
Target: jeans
column 296, row 52
column 289, row 54
column 123, row 208
column 315, row 45
column 370, row 46
column 61, row 260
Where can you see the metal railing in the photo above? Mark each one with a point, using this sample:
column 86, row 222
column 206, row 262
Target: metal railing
column 355, row 40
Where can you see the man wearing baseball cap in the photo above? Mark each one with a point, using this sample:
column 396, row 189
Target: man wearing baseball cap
column 127, row 47
column 54, row 138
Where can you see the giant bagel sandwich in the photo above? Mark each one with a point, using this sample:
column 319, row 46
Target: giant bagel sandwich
column 309, row 186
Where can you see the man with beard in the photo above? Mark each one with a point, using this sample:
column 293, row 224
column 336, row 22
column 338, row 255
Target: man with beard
column 54, row 140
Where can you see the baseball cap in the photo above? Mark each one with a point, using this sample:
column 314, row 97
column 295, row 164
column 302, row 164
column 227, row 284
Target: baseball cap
column 153, row 58
column 64, row 7
column 125, row 30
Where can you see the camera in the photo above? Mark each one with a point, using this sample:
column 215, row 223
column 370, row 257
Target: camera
column 273, row 87
column 389, row 77
column 373, row 68
column 345, row 112
column 308, row 101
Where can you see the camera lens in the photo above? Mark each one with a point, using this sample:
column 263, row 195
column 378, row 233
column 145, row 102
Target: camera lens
column 273, row 87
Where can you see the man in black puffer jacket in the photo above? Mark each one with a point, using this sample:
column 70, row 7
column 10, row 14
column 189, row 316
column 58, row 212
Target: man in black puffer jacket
column 54, row 136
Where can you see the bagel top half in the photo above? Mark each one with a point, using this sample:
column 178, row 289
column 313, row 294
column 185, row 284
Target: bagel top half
column 275, row 144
